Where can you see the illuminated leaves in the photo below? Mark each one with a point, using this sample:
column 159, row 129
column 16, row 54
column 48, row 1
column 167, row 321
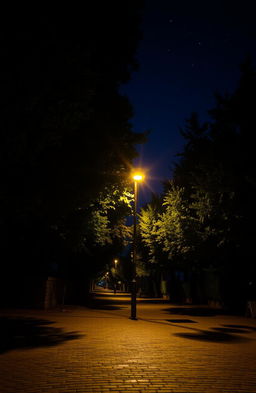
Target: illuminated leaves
column 171, row 230
column 176, row 224
column 107, row 219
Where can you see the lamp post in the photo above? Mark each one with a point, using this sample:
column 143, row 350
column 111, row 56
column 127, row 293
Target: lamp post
column 137, row 177
column 115, row 262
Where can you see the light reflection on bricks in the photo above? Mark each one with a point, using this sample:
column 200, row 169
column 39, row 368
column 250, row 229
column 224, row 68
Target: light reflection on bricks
column 115, row 354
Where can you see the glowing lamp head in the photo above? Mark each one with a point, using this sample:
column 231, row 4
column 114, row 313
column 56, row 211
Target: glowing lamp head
column 138, row 176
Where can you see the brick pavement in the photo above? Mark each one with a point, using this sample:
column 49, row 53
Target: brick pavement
column 168, row 349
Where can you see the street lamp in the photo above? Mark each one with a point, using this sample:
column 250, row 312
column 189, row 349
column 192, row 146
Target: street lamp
column 137, row 177
column 115, row 262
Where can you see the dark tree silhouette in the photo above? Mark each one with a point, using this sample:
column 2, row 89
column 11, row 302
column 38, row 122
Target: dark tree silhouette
column 212, row 226
column 218, row 167
column 65, row 131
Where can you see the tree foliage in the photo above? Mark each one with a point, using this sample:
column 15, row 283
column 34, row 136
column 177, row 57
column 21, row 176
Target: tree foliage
column 66, row 135
column 209, row 214
column 149, row 225
column 176, row 225
column 107, row 219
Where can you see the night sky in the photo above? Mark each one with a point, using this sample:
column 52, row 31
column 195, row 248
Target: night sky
column 189, row 51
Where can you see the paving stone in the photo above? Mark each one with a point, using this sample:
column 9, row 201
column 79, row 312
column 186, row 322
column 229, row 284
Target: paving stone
column 97, row 350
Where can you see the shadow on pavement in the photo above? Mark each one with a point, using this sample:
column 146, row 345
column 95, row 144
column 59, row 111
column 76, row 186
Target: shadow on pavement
column 107, row 301
column 230, row 330
column 216, row 334
column 212, row 336
column 27, row 333
column 252, row 328
column 100, row 306
column 181, row 321
column 195, row 311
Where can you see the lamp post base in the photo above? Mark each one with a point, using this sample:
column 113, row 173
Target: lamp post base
column 133, row 301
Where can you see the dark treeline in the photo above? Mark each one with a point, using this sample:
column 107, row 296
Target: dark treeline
column 202, row 231
column 66, row 140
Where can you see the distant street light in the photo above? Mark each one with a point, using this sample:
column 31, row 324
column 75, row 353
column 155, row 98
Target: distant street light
column 137, row 177
column 106, row 279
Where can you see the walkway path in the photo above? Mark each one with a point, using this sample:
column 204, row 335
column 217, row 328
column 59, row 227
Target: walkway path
column 168, row 349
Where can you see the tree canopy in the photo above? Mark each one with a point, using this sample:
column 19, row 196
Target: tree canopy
column 208, row 213
column 66, row 136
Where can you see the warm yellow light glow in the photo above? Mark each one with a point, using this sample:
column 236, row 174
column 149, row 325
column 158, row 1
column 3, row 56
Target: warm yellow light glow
column 138, row 176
